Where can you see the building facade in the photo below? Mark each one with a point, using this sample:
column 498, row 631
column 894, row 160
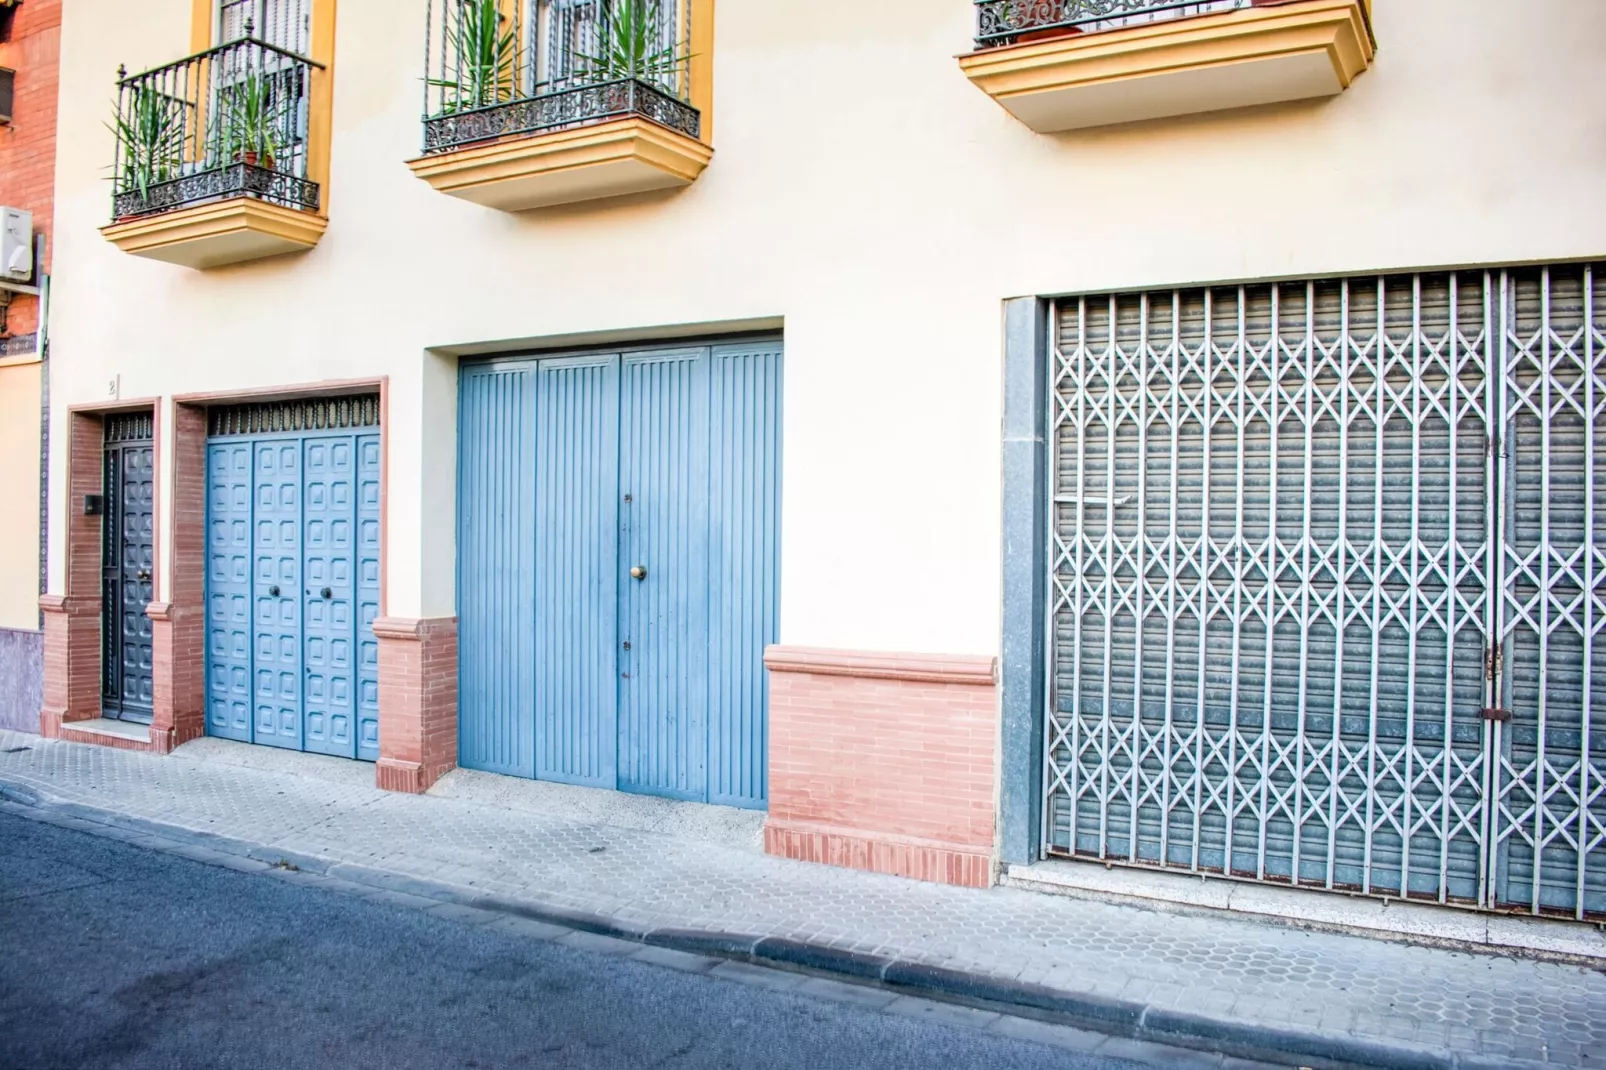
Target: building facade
column 30, row 40
column 973, row 433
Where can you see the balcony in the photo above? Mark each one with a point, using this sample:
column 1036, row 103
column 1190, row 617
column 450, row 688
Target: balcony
column 534, row 103
column 212, row 158
column 1069, row 64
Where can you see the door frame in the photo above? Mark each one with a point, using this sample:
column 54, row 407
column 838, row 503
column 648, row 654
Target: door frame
column 622, row 352
column 200, row 443
column 113, row 706
column 1026, row 612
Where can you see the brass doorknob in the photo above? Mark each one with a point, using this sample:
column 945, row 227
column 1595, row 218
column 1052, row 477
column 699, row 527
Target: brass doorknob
column 638, row 573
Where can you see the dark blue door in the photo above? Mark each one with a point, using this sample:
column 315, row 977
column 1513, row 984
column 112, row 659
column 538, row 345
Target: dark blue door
column 293, row 590
column 618, row 568
column 128, row 543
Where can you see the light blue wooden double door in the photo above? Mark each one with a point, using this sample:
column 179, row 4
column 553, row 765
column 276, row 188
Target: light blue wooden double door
column 618, row 568
column 292, row 590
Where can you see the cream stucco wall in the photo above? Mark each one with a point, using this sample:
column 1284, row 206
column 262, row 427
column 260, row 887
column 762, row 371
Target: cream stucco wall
column 19, row 494
column 866, row 195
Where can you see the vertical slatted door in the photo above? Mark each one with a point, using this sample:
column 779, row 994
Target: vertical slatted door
column 1550, row 772
column 370, row 462
column 576, row 577
column 496, row 568
column 743, row 566
column 329, row 534
column 277, row 594
column 1270, row 549
column 663, row 481
column 230, row 497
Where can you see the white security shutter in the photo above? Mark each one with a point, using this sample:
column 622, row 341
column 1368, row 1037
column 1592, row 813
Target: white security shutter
column 1550, row 805
column 1271, row 551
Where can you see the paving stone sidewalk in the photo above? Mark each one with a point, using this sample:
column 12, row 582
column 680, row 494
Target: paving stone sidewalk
column 1311, row 992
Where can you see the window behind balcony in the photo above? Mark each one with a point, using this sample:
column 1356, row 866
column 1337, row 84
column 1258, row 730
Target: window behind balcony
column 284, row 23
column 279, row 83
column 587, row 40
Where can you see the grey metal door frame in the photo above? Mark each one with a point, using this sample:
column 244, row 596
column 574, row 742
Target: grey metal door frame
column 1297, row 684
column 126, row 566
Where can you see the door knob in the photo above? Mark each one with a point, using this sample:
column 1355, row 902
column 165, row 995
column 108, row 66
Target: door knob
column 143, row 575
column 638, row 572
column 327, row 593
column 273, row 592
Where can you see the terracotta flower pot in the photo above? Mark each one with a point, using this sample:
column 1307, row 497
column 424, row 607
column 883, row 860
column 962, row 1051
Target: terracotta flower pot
column 1046, row 35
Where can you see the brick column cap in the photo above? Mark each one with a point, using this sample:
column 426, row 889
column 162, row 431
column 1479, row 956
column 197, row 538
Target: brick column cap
column 971, row 669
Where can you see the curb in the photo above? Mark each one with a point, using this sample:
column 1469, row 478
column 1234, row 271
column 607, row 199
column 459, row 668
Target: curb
column 1127, row 1019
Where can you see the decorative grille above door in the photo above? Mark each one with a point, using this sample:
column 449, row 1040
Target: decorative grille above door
column 1316, row 617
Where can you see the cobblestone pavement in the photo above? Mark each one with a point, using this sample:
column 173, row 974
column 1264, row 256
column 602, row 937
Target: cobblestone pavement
column 1494, row 1010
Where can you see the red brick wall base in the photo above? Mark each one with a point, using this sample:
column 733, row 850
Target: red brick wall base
column 885, row 762
column 881, row 853
column 417, row 702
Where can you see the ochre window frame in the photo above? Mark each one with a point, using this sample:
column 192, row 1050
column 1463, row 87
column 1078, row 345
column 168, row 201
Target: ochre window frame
column 320, row 100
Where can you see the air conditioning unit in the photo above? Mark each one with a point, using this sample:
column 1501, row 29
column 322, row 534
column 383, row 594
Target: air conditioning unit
column 16, row 245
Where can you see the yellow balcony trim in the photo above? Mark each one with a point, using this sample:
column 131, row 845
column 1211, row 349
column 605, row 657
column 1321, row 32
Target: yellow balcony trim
column 608, row 160
column 212, row 235
column 1235, row 59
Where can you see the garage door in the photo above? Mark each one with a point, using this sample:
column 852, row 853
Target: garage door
column 1328, row 585
column 292, row 580
column 618, row 568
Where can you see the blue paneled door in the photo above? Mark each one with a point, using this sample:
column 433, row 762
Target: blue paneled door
column 618, row 568
column 293, row 590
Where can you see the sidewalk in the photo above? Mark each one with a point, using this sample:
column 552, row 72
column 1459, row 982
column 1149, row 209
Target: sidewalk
column 695, row 878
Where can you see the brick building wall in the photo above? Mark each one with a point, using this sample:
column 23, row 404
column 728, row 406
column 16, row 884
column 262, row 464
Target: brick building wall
column 28, row 144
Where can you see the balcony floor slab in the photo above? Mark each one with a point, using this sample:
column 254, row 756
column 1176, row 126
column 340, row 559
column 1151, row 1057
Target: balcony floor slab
column 213, row 235
column 610, row 159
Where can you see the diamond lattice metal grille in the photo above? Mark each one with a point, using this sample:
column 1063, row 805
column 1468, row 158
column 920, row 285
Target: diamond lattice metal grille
column 1550, row 796
column 1271, row 554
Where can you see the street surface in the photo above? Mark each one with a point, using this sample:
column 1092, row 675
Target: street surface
column 116, row 956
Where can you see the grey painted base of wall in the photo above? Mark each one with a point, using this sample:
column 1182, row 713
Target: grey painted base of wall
column 22, row 679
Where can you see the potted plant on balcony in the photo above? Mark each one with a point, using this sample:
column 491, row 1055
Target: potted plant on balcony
column 1045, row 14
column 254, row 121
column 150, row 139
column 483, row 59
column 632, row 47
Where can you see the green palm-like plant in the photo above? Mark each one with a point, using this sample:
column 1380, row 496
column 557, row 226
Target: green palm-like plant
column 631, row 46
column 150, row 136
column 253, row 120
column 482, row 58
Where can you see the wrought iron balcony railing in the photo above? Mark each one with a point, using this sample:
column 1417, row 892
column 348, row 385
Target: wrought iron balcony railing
column 497, row 68
column 228, row 122
column 1006, row 22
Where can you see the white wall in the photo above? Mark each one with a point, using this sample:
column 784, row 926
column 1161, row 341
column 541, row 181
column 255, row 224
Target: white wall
column 865, row 192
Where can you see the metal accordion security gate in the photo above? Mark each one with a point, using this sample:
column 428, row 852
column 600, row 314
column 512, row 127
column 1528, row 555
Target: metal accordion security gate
column 1328, row 577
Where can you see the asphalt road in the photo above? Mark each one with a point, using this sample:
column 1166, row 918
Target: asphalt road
column 114, row 956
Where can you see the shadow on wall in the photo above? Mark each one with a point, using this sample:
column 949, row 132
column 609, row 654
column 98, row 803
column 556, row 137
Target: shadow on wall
column 22, row 664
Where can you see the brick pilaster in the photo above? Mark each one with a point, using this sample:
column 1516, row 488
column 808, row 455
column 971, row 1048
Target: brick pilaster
column 178, row 625
column 72, row 662
column 417, row 702
column 72, row 620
